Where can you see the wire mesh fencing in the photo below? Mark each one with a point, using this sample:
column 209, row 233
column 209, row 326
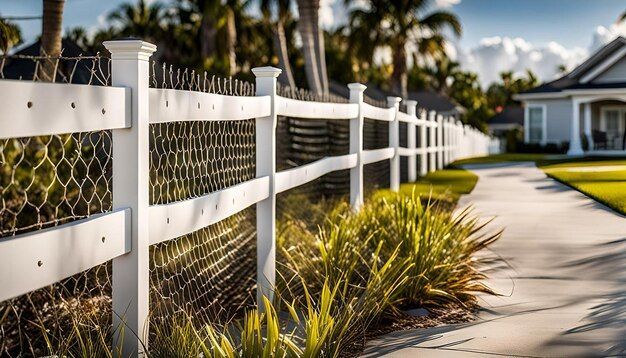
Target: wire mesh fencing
column 210, row 274
column 91, row 70
column 47, row 181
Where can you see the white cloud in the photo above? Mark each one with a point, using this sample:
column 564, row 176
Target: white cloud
column 499, row 54
column 603, row 35
column 446, row 3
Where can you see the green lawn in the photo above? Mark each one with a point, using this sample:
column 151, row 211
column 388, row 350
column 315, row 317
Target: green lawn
column 499, row 158
column 446, row 184
column 600, row 179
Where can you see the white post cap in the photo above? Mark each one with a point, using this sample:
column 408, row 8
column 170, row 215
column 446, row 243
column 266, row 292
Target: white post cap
column 267, row 71
column 410, row 103
column 391, row 100
column 357, row 87
column 130, row 49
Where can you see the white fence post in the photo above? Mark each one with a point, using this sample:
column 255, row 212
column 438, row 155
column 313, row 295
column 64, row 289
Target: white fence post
column 411, row 134
column 444, row 136
column 432, row 142
column 394, row 142
column 439, row 141
column 423, row 144
column 266, row 166
column 130, row 68
column 356, row 146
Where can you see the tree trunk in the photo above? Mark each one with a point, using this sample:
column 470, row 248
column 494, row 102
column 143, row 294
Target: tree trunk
column 305, row 27
column 231, row 41
column 52, row 26
column 280, row 47
column 320, row 52
column 208, row 35
column 399, row 77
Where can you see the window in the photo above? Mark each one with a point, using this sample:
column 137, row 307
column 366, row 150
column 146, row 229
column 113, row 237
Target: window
column 535, row 124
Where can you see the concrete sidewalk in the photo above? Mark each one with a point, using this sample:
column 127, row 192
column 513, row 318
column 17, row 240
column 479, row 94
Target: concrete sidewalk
column 565, row 292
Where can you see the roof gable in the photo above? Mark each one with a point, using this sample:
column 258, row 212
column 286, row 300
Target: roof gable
column 582, row 76
column 596, row 58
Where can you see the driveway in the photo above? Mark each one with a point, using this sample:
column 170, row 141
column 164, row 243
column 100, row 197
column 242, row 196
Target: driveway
column 564, row 292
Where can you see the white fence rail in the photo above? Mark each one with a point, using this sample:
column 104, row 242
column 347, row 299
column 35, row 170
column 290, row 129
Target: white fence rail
column 37, row 259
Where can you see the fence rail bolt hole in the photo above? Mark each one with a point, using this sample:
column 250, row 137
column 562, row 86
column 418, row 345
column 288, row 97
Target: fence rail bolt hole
column 103, row 239
column 39, row 263
column 73, row 105
column 29, row 104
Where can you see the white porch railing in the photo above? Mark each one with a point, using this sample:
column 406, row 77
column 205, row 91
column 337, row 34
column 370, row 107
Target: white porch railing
column 34, row 260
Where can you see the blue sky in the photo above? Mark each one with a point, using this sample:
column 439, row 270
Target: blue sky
column 538, row 29
column 569, row 22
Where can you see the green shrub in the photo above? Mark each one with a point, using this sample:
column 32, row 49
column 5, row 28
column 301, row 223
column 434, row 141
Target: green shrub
column 335, row 282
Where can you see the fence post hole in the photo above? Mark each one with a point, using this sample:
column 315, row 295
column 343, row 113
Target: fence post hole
column 423, row 144
column 411, row 107
column 356, row 146
column 130, row 291
column 439, row 141
column 266, row 166
column 394, row 142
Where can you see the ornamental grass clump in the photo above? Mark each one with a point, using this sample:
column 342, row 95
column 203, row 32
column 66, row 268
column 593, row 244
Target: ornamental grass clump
column 440, row 245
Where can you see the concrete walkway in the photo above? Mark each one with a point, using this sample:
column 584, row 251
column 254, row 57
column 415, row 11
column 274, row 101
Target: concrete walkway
column 565, row 292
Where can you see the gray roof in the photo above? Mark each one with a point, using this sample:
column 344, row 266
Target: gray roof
column 426, row 99
column 572, row 80
column 434, row 101
column 509, row 115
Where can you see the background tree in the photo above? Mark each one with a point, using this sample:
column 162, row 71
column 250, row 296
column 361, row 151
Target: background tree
column 442, row 74
column 313, row 49
column 501, row 94
column 279, row 37
column 393, row 24
column 140, row 20
column 51, row 29
column 10, row 35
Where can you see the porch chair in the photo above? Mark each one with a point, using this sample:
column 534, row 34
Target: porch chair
column 599, row 139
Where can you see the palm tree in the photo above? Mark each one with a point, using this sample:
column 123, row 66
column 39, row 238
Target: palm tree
column 141, row 20
column 218, row 22
column 622, row 17
column 10, row 35
column 395, row 23
column 279, row 38
column 308, row 26
column 443, row 71
column 78, row 35
column 51, row 29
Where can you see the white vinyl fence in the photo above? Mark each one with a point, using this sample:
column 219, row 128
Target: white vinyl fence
column 33, row 260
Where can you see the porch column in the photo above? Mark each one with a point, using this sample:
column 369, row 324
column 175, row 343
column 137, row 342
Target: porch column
column 587, row 124
column 574, row 143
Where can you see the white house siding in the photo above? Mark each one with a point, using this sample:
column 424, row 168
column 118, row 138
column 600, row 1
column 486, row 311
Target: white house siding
column 558, row 117
column 615, row 73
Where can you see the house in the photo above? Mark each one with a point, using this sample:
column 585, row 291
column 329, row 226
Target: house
column 586, row 106
column 511, row 117
column 440, row 103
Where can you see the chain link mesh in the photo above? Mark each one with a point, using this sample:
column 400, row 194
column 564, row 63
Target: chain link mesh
column 302, row 141
column 166, row 76
column 210, row 273
column 47, row 181
column 91, row 70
